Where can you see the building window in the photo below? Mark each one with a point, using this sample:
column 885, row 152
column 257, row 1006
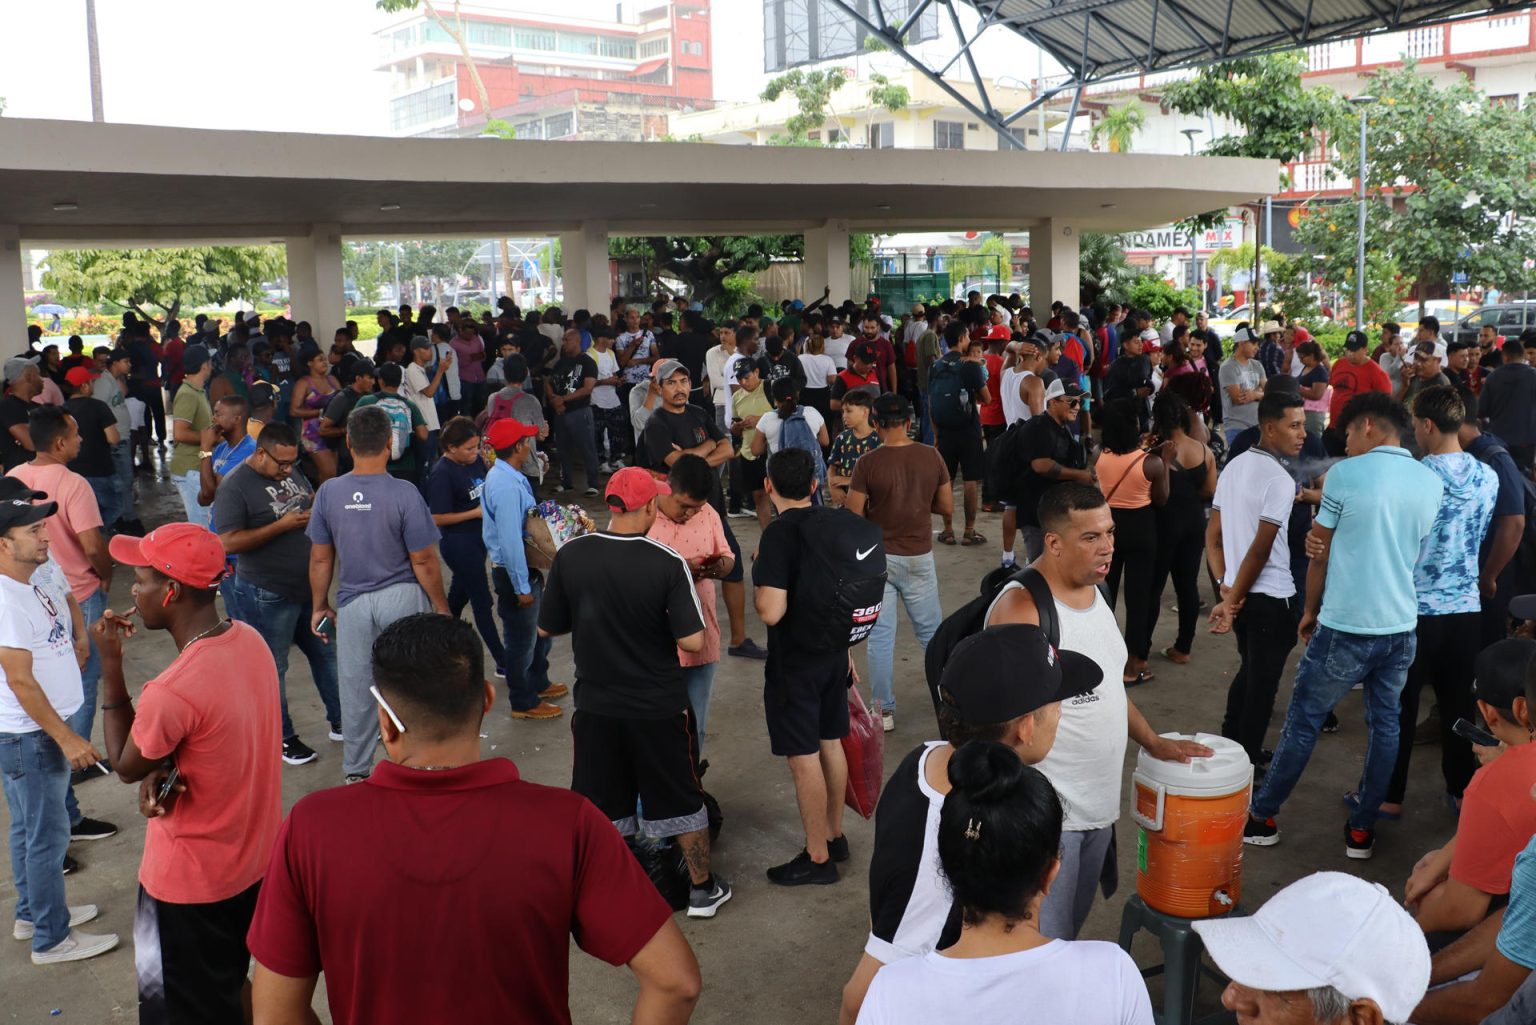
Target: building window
column 423, row 107
column 610, row 46
column 836, row 136
column 949, row 135
column 882, row 135
column 654, row 48
column 490, row 33
column 1505, row 100
column 559, row 126
column 534, row 39
column 584, row 43
column 528, row 130
column 806, row 31
column 690, row 46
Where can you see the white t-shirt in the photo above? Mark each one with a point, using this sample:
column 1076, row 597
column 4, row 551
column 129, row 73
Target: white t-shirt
column 817, row 369
column 1060, row 982
column 728, row 370
column 771, row 427
column 714, row 369
column 451, row 375
column 1087, row 760
column 35, row 617
column 1255, row 487
column 837, row 348
column 1014, row 406
column 416, row 381
column 605, row 396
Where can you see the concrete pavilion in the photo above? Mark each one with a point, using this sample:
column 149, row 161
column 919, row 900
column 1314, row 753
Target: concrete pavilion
column 75, row 184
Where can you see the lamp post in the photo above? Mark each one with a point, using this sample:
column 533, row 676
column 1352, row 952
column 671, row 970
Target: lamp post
column 1194, row 258
column 1361, row 102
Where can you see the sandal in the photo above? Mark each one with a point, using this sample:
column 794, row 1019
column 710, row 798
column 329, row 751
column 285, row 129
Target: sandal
column 946, row 537
column 1139, row 679
column 972, row 538
column 1175, row 656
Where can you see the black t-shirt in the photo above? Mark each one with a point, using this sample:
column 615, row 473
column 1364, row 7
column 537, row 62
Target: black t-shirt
column 908, row 901
column 94, row 417
column 248, row 501
column 625, row 599
column 788, row 365
column 569, row 374
column 1125, row 375
column 455, row 488
column 1044, row 437
column 778, row 565
column 688, row 348
column 535, row 349
column 688, row 429
column 13, row 412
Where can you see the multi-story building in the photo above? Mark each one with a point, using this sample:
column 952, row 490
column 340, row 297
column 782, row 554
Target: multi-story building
column 550, row 73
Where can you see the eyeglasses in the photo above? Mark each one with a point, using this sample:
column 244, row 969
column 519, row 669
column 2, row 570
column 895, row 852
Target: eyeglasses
column 374, row 690
column 285, row 465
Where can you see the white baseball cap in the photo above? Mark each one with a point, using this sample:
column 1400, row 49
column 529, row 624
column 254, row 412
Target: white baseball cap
column 1244, row 334
column 1328, row 929
column 1438, row 352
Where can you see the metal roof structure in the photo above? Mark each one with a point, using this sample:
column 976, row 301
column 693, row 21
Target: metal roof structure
column 1097, row 40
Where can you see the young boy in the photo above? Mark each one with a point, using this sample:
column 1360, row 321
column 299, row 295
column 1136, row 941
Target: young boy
column 857, row 437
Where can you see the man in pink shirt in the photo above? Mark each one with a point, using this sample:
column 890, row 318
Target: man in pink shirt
column 203, row 742
column 80, row 549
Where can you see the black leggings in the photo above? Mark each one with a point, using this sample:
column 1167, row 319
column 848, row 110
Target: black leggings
column 1447, row 647
column 1136, row 558
column 1180, row 544
column 465, row 555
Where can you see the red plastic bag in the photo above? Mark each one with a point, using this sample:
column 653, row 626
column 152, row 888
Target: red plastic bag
column 865, row 749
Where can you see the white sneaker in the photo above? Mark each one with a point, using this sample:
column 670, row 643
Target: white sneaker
column 77, row 946
column 888, row 721
column 79, row 914
column 604, row 468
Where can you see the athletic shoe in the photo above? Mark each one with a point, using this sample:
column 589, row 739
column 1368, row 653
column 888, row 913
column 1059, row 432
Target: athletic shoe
column 704, row 901
column 77, row 946
column 1358, row 842
column 1261, row 832
column 802, row 871
column 837, row 848
column 501, row 674
column 1010, row 561
column 336, row 733
column 79, row 914
column 90, row 772
column 740, row 514
column 1331, row 724
column 296, row 752
column 888, row 721
column 91, row 829
column 591, row 492
column 554, row 691
column 71, row 866
column 355, row 777
column 604, row 468
column 747, row 649
column 543, row 710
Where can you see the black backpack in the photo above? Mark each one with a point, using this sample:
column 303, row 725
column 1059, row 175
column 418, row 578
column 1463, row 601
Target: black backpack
column 1526, row 553
column 840, row 580
column 1005, row 462
column 971, row 618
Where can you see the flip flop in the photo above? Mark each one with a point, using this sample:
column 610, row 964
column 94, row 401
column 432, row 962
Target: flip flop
column 1139, row 679
column 1352, row 802
column 972, row 539
column 946, row 537
column 1175, row 656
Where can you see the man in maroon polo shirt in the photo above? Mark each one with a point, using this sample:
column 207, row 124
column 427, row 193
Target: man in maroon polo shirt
column 443, row 885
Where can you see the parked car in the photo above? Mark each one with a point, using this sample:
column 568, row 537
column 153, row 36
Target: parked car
column 1509, row 319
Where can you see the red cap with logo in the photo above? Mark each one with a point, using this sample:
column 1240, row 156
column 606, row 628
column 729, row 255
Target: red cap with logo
column 185, row 552
column 633, row 486
column 507, row 432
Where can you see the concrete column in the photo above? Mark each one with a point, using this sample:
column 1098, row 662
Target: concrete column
column 315, row 279
column 13, row 302
column 1053, row 266
column 826, row 262
column 584, row 268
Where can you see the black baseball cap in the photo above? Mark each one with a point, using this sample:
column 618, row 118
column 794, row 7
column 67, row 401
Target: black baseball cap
column 1008, row 671
column 1356, row 340
column 891, row 409
column 263, row 393
column 1500, row 668
column 20, row 506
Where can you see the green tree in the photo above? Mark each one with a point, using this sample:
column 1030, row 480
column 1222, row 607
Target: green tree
column 158, row 284
column 703, row 262
column 1151, row 293
column 362, row 263
column 1104, row 274
column 1290, row 285
column 1328, row 234
column 454, row 27
column 989, row 261
column 1119, row 126
column 812, row 91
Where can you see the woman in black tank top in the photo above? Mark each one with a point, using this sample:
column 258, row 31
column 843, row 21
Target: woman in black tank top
column 1181, row 522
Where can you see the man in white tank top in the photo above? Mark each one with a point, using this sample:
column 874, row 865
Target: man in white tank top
column 1091, row 739
column 1022, row 389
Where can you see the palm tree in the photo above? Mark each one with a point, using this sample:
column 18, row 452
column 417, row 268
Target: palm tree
column 1120, row 126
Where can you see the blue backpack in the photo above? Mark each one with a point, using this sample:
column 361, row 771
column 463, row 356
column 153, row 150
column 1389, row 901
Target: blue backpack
column 949, row 403
column 796, row 433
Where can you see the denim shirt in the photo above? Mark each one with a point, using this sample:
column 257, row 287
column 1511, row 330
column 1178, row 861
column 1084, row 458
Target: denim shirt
column 504, row 504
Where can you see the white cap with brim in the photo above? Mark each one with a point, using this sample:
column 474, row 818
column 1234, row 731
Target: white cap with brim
column 16, row 366
column 1328, row 929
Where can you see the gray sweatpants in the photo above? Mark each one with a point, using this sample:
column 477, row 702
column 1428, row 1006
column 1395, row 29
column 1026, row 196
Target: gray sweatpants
column 1066, row 906
column 357, row 625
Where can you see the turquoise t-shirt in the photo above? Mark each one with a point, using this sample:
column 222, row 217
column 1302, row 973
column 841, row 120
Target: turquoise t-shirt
column 1517, row 934
column 1380, row 506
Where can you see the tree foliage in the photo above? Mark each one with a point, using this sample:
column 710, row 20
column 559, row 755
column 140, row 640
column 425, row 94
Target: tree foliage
column 1151, row 293
column 812, row 91
column 1105, row 276
column 703, row 262
column 990, row 260
column 158, row 284
column 369, row 264
column 1119, row 126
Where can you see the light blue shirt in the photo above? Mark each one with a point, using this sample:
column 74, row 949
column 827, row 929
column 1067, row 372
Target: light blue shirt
column 1517, row 934
column 1380, row 506
column 504, row 504
column 1446, row 576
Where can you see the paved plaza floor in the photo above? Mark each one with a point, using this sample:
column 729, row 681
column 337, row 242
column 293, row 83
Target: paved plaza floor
column 772, row 955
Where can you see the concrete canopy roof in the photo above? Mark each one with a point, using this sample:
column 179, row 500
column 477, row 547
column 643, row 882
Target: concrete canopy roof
column 137, row 185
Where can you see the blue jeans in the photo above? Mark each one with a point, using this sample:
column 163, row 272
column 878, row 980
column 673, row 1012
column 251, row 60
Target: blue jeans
column 465, row 556
column 106, row 489
column 1332, row 664
column 36, row 777
column 1231, row 434
column 84, row 718
column 527, row 664
column 188, row 485
column 913, row 579
column 122, row 464
column 282, row 624
column 701, row 682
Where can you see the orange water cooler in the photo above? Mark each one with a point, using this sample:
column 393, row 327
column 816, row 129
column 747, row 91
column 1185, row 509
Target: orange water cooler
column 1189, row 849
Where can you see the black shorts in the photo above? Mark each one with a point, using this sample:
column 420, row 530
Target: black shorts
column 806, row 703
column 621, row 761
column 753, row 473
column 961, row 452
column 192, row 959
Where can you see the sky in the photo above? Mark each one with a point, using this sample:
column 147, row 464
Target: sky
column 306, row 65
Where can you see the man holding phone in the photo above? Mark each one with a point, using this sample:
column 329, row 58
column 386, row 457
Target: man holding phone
column 260, row 511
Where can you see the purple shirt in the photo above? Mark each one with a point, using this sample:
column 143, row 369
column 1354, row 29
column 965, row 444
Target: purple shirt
column 467, row 356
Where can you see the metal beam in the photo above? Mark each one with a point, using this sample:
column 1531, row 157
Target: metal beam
column 1063, row 10
column 917, row 12
column 1066, row 128
column 970, row 60
column 1044, row 97
column 965, row 44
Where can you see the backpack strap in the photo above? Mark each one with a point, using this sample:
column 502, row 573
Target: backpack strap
column 1126, row 474
column 1045, row 602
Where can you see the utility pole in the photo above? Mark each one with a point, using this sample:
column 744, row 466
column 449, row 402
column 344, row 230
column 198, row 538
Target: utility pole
column 93, row 50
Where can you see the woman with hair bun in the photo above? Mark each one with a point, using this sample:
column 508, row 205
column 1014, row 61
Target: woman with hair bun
column 999, row 833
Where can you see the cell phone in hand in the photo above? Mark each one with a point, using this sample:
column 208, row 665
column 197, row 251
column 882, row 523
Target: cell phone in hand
column 167, row 786
column 1476, row 734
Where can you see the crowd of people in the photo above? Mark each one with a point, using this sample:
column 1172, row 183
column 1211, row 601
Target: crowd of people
column 1372, row 512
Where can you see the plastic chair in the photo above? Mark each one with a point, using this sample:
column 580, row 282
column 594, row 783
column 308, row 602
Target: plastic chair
column 1182, row 966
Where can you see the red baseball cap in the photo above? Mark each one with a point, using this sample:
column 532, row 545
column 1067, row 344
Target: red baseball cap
column 185, row 552
column 81, row 375
column 507, row 432
column 633, row 487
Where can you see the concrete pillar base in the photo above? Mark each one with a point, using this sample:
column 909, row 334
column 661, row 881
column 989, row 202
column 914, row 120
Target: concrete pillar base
column 826, row 262
column 316, row 284
column 1053, row 267
column 13, row 301
column 584, row 268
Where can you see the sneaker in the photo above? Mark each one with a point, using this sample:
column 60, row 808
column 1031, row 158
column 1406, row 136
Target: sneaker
column 1331, row 724
column 1358, row 842
column 837, row 847
column 90, row 772
column 888, row 721
column 1261, row 832
column 747, row 649
column 79, row 914
column 604, row 468
column 543, row 710
column 336, row 733
column 77, row 946
column 1010, row 561
column 71, row 866
column 554, row 691
column 501, row 674
column 704, row 901
column 802, row 871
column 591, row 492
column 91, row 829
column 740, row 514
column 355, row 777
column 296, row 752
